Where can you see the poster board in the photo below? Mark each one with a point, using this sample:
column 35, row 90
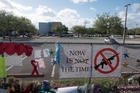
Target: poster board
column 75, row 60
column 107, row 60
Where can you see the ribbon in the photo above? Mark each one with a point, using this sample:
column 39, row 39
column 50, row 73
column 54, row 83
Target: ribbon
column 58, row 53
column 126, row 55
column 33, row 62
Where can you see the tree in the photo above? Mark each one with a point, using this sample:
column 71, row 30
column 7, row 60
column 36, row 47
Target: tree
column 79, row 30
column 131, row 31
column 3, row 22
column 24, row 26
column 90, row 31
column 137, row 31
column 10, row 23
column 134, row 31
column 60, row 29
column 107, row 24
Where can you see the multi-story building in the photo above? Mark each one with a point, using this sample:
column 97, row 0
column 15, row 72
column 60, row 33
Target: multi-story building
column 45, row 29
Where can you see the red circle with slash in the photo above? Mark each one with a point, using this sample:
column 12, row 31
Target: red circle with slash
column 101, row 53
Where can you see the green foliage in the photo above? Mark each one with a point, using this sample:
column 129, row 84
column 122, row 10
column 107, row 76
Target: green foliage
column 138, row 80
column 138, row 31
column 107, row 24
column 71, row 82
column 25, row 26
column 3, row 21
column 10, row 23
column 106, row 82
column 79, row 30
column 134, row 31
column 60, row 29
column 131, row 31
column 91, row 31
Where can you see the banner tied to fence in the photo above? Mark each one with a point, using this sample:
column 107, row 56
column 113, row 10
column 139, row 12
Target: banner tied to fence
column 76, row 60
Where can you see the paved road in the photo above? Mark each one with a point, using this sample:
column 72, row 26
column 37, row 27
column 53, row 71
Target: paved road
column 81, row 40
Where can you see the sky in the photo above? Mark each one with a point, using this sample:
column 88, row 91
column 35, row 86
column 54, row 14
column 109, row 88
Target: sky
column 73, row 12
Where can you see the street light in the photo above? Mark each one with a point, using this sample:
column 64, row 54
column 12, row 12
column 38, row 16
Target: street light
column 124, row 32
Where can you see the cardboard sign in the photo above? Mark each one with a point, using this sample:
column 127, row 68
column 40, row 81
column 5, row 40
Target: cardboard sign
column 107, row 61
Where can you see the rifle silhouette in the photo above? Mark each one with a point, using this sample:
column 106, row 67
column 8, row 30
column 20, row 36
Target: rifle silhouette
column 103, row 62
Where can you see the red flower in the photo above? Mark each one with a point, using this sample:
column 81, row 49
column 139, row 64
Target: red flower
column 10, row 48
column 28, row 50
column 20, row 49
column 1, row 48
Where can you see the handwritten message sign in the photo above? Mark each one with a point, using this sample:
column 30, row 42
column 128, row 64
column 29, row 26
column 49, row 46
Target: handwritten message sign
column 75, row 61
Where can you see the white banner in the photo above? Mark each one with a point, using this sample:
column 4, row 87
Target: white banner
column 107, row 60
column 67, row 90
column 46, row 52
column 75, row 60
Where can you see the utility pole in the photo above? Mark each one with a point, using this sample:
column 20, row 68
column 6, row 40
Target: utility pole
column 124, row 32
column 136, row 30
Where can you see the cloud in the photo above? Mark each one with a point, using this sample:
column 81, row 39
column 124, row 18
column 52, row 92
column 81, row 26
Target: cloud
column 6, row 4
column 138, row 13
column 21, row 7
column 132, row 18
column 117, row 8
column 82, row 1
column 68, row 17
column 93, row 9
column 9, row 4
column 45, row 11
column 121, row 14
column 71, row 18
column 138, row 21
column 135, row 6
column 68, row 13
column 14, row 8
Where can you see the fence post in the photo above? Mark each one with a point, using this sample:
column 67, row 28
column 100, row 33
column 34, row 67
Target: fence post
column 91, row 67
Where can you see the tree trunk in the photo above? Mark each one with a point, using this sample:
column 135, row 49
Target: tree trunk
column 3, row 35
column 78, row 35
